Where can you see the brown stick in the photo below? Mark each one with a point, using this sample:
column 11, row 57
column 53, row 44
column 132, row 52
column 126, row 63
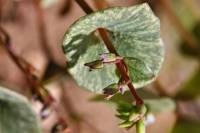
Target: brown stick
column 5, row 39
column 66, row 7
column 32, row 79
column 84, row 6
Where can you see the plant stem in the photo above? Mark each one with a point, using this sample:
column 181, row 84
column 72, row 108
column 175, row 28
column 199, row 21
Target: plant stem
column 121, row 66
column 31, row 78
column 66, row 7
column 7, row 44
column 84, row 6
column 140, row 126
column 41, row 28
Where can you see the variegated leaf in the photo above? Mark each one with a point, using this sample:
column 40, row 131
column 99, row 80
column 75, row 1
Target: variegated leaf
column 134, row 32
column 16, row 114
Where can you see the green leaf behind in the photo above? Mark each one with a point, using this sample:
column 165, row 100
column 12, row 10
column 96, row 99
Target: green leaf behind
column 16, row 114
column 183, row 126
column 154, row 103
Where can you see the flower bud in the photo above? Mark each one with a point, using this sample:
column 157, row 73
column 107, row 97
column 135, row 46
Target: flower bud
column 150, row 119
column 122, row 116
column 134, row 117
column 45, row 112
column 126, row 124
column 122, row 89
column 59, row 127
column 122, row 85
column 98, row 64
column 111, row 90
column 35, row 97
column 110, row 58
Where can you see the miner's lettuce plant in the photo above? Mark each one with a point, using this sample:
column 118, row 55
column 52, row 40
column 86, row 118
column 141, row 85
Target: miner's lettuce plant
column 114, row 50
column 135, row 34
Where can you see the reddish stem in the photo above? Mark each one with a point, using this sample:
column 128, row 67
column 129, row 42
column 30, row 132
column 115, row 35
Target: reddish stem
column 84, row 6
column 66, row 7
column 121, row 66
column 26, row 69
column 5, row 39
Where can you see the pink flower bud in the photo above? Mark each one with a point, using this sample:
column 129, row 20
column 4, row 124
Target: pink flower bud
column 110, row 58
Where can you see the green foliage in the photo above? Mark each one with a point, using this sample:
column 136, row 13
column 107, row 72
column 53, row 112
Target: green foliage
column 192, row 88
column 16, row 114
column 160, row 105
column 130, row 114
column 184, row 13
column 153, row 103
column 183, row 126
column 135, row 34
column 184, row 47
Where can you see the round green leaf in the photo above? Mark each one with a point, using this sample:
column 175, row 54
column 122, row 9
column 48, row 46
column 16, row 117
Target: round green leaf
column 16, row 114
column 135, row 34
column 160, row 105
column 154, row 103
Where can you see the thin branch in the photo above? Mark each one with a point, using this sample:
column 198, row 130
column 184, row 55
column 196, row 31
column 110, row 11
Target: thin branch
column 84, row 6
column 26, row 68
column 101, row 4
column 122, row 67
column 66, row 7
column 5, row 39
column 41, row 28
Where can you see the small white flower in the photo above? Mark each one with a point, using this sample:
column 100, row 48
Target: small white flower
column 149, row 119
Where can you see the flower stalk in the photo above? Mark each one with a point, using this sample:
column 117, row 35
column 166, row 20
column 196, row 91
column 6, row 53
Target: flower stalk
column 140, row 126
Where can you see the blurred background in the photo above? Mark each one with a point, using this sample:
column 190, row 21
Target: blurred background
column 36, row 29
